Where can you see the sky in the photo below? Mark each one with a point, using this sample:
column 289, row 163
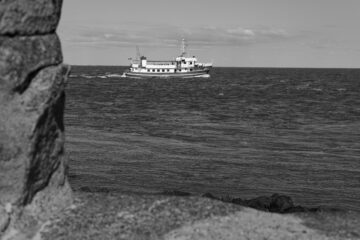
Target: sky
column 229, row 33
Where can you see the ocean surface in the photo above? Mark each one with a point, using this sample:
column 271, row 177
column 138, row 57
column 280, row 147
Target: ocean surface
column 244, row 132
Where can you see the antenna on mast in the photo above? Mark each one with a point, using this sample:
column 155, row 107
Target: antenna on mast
column 138, row 55
column 183, row 47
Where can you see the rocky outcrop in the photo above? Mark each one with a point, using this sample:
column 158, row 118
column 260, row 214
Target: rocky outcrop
column 32, row 81
column 246, row 224
column 153, row 217
column 276, row 203
column 175, row 193
column 29, row 17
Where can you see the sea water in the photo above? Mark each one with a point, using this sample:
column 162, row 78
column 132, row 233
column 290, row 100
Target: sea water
column 244, row 132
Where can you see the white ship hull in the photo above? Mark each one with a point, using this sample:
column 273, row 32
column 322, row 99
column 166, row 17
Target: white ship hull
column 180, row 67
column 200, row 73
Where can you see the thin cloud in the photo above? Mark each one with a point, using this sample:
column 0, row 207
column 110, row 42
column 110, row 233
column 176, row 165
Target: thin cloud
column 168, row 36
column 241, row 32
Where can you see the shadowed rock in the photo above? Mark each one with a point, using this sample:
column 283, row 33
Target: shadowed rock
column 280, row 203
column 32, row 132
column 276, row 203
column 22, row 58
column 261, row 203
column 4, row 219
column 33, row 182
column 238, row 201
column 175, row 193
column 209, row 195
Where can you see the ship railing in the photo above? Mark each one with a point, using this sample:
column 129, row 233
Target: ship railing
column 161, row 62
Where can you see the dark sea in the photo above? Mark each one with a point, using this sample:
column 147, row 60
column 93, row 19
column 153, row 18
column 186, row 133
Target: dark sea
column 244, row 132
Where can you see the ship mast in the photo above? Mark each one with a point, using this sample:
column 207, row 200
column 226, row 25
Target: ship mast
column 183, row 47
column 138, row 54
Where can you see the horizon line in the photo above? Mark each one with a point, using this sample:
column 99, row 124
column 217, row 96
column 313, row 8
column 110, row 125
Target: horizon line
column 98, row 65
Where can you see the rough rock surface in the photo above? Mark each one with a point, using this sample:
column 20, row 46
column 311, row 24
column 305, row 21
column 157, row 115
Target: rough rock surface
column 21, row 58
column 33, row 181
column 246, row 224
column 4, row 219
column 276, row 203
column 154, row 217
column 110, row 216
column 29, row 17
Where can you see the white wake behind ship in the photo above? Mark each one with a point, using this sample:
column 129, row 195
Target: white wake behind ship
column 181, row 67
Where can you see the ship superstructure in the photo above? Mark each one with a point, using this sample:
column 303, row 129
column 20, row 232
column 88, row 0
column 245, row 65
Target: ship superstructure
column 182, row 66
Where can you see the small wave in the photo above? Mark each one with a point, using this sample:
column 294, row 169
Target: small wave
column 204, row 76
column 317, row 89
column 97, row 76
column 114, row 75
column 87, row 76
column 198, row 76
column 302, row 86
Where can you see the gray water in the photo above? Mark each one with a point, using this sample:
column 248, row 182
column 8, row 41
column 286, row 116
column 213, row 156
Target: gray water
column 244, row 132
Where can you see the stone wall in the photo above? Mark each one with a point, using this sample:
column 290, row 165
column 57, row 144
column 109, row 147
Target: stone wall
column 32, row 81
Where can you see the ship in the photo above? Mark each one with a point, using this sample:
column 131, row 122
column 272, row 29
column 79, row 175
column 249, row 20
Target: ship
column 181, row 67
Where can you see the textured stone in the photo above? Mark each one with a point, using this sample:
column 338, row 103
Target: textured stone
column 281, row 203
column 29, row 17
column 261, row 203
column 33, row 184
column 247, row 224
column 21, row 58
column 4, row 219
column 275, row 203
column 118, row 216
column 153, row 217
column 32, row 137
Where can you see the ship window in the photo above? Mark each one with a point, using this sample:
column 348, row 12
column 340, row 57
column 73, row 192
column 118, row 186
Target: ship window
column 158, row 70
column 190, row 63
column 148, row 70
column 168, row 70
column 191, row 69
